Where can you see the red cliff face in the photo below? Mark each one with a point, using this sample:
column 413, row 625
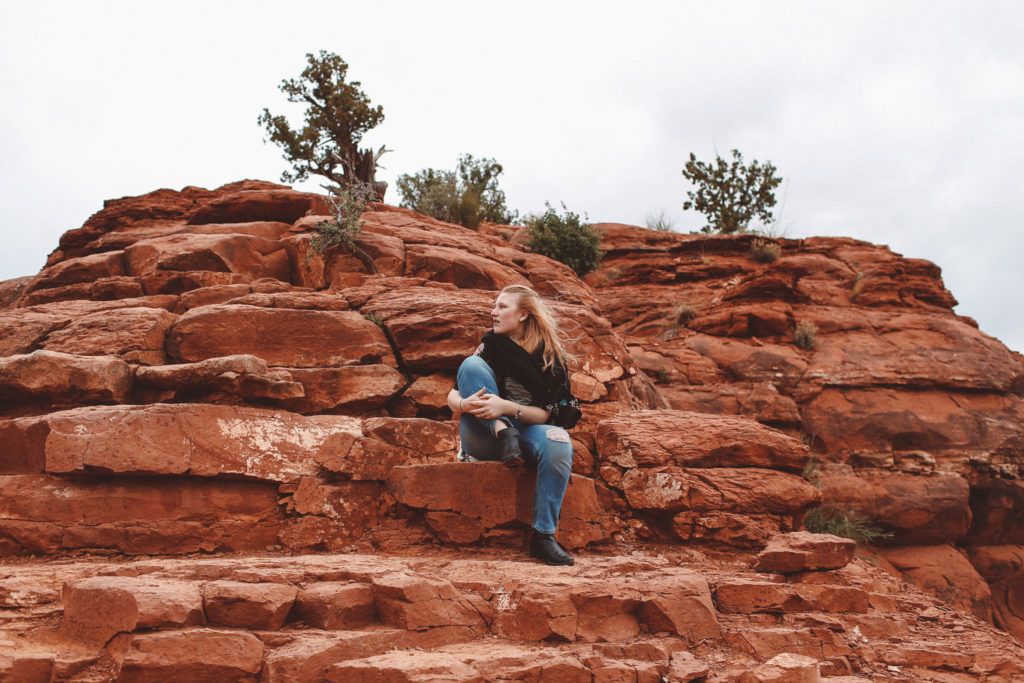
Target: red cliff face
column 188, row 376
column 914, row 417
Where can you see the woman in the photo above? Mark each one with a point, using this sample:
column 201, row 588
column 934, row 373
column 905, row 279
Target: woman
column 514, row 404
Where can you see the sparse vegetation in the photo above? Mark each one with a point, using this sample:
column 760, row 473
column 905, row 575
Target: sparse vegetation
column 680, row 316
column 348, row 203
column 858, row 285
column 375, row 319
column 804, row 335
column 563, row 237
column 839, row 521
column 659, row 221
column 663, row 376
column 467, row 195
column 812, row 472
column 764, row 251
column 731, row 195
column 338, row 115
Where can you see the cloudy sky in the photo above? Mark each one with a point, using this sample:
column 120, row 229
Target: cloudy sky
column 900, row 123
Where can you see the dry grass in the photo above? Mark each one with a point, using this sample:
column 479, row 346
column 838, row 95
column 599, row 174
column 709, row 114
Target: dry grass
column 764, row 251
column 804, row 335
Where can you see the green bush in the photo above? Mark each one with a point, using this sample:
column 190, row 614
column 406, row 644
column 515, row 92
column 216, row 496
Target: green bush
column 838, row 521
column 731, row 195
column 565, row 238
column 348, row 203
column 467, row 196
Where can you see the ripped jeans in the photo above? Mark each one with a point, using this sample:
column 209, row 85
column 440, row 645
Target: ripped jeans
column 546, row 446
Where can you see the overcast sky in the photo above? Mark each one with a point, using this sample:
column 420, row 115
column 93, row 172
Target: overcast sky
column 899, row 123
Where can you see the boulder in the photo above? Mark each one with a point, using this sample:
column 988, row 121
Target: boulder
column 416, row 604
column 118, row 287
column 784, row 668
column 247, row 605
column 306, row 659
column 751, row 597
column 761, row 402
column 280, row 336
column 255, row 257
column 671, row 437
column 198, row 656
column 885, row 419
column 279, row 205
column 23, row 330
column 98, row 608
column 745, row 490
column 42, row 514
column 392, row 442
column 499, row 496
column 134, row 334
column 464, row 270
column 195, row 439
column 63, row 379
column 84, row 269
column 353, row 387
column 802, row 551
column 915, row 509
column 944, row 571
column 336, row 605
column 242, row 375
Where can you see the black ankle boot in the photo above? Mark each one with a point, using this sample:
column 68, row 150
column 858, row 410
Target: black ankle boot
column 544, row 547
column 511, row 449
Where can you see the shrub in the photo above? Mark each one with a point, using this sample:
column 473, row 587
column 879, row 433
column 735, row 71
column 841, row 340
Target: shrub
column 663, row 376
column 764, row 251
column 467, row 195
column 348, row 204
column 812, row 472
column 832, row 519
column 731, row 195
column 338, row 115
column 659, row 221
column 804, row 334
column 680, row 316
column 564, row 238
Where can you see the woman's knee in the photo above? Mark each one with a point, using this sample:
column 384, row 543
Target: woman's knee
column 558, row 447
column 473, row 364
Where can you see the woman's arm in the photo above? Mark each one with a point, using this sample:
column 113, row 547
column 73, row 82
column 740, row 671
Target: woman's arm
column 491, row 406
column 455, row 402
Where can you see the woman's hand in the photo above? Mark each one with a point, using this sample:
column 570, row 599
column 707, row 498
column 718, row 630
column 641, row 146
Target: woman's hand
column 461, row 405
column 486, row 406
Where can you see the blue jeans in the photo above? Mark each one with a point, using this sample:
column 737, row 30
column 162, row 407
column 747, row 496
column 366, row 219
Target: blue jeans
column 546, row 446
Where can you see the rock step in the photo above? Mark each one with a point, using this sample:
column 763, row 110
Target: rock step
column 628, row 618
column 513, row 600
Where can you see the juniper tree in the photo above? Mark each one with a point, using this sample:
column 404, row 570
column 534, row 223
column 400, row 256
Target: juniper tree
column 337, row 115
column 731, row 195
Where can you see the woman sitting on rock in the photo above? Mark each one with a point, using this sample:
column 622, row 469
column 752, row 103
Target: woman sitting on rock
column 515, row 404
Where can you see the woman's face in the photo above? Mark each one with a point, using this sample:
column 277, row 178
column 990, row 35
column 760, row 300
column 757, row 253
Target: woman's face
column 506, row 315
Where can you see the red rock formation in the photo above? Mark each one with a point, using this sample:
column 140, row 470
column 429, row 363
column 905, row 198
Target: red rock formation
column 921, row 411
column 186, row 375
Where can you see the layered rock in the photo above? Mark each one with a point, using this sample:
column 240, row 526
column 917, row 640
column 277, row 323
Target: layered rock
column 913, row 415
column 187, row 374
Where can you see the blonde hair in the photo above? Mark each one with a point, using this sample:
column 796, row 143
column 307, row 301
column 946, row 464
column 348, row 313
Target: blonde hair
column 540, row 326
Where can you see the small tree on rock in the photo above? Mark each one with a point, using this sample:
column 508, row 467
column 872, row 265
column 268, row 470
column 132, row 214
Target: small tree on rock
column 731, row 195
column 565, row 238
column 338, row 115
column 467, row 195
